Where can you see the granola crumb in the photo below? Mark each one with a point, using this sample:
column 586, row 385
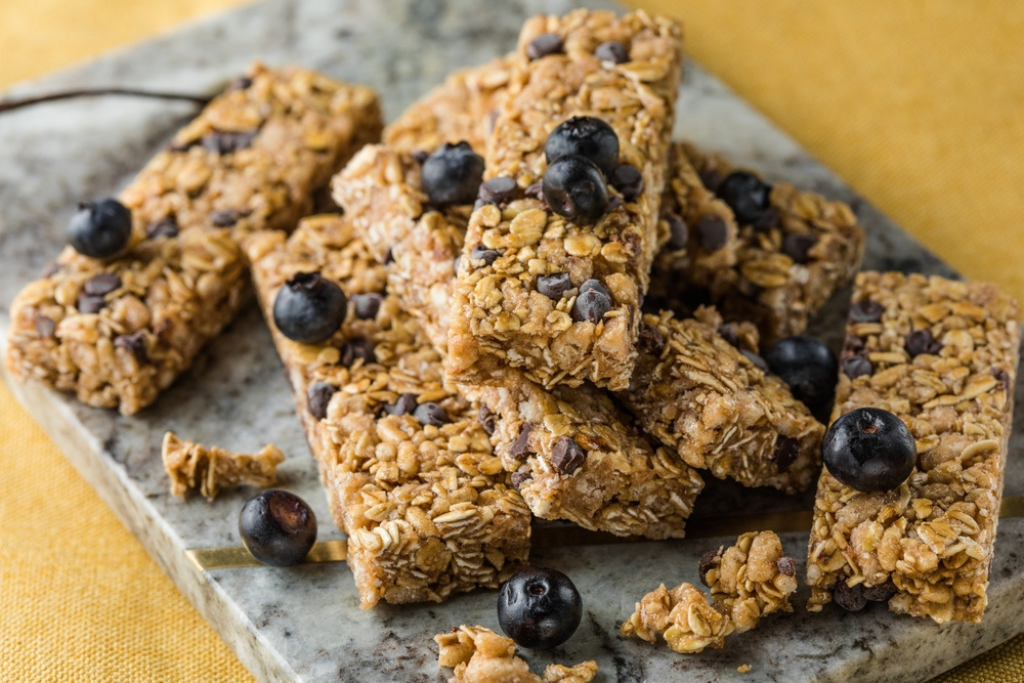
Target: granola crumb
column 744, row 668
column 480, row 655
column 208, row 469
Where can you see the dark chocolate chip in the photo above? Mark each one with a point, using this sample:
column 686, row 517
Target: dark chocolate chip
column 796, row 246
column 536, row 190
column 430, row 413
column 543, row 45
column 520, row 477
column 612, row 51
column 851, row 599
column 421, row 155
column 101, row 284
column 497, row 190
column 651, row 340
column 857, row 366
column 767, row 220
column 713, row 232
column 520, row 448
column 182, row 146
column 628, row 180
column 866, row 311
column 317, row 397
column 52, row 268
column 240, row 83
column 403, row 405
column 134, row 343
column 357, row 348
column 487, row 420
column 613, row 203
column 922, row 341
column 880, row 593
column 678, row 235
column 221, row 142
column 592, row 302
column 708, row 561
column 786, row 452
column 754, row 358
column 90, row 304
column 165, row 227
column 728, row 333
column 787, row 566
column 1003, row 376
column 225, row 218
column 853, row 344
column 488, row 256
column 45, row 327
column 554, row 286
column 710, row 179
column 366, row 305
column 566, row 456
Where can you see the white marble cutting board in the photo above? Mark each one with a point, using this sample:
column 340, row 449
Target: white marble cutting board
column 304, row 624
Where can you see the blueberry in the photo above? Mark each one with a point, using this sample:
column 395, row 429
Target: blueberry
column 452, row 175
column 277, row 527
column 309, row 309
column 592, row 302
column 100, row 229
column 574, row 189
column 870, row 450
column 746, row 194
column 539, row 608
column 808, row 367
column 585, row 136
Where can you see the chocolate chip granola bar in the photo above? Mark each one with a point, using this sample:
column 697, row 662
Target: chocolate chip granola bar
column 942, row 356
column 118, row 332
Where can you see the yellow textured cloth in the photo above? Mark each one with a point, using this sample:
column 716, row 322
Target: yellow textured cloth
column 918, row 104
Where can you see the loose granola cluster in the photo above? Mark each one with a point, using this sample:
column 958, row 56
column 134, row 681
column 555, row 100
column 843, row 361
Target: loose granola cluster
column 208, row 469
column 480, row 655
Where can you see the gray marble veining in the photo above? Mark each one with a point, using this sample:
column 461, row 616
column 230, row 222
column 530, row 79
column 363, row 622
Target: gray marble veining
column 304, row 624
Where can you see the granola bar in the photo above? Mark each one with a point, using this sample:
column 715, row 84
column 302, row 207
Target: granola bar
column 701, row 396
column 480, row 655
column 208, row 469
column 425, row 503
column 118, row 332
column 749, row 580
column 499, row 318
column 941, row 355
column 786, row 267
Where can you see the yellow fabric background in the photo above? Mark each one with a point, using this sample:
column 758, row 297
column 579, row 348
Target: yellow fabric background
column 918, row 104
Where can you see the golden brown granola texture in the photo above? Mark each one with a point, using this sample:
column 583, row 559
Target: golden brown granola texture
column 208, row 469
column 499, row 319
column 925, row 547
column 749, row 580
column 118, row 332
column 428, row 509
column 480, row 655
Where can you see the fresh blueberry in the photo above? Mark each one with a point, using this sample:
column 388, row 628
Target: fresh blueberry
column 574, row 189
column 584, row 136
column 592, row 302
column 100, row 229
column 277, row 527
column 746, row 194
column 539, row 608
column 309, row 309
column 452, row 175
column 870, row 450
column 809, row 368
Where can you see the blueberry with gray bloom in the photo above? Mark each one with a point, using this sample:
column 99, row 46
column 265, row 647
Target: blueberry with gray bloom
column 584, row 136
column 452, row 175
column 278, row 528
column 870, row 450
column 309, row 309
column 575, row 189
column 101, row 228
column 539, row 608
column 809, row 368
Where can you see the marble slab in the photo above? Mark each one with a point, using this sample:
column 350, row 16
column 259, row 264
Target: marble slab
column 304, row 624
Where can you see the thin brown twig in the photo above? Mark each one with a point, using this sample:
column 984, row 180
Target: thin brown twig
column 89, row 92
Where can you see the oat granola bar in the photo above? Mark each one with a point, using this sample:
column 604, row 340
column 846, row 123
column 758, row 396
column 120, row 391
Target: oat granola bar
column 786, row 268
column 701, row 396
column 499, row 318
column 425, row 503
column 941, row 355
column 480, row 655
column 208, row 469
column 118, row 332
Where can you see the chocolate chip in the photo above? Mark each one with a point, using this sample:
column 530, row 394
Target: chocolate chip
column 536, row 190
column 421, row 155
column 713, row 232
column 566, row 456
column 613, row 203
column 430, row 413
column 134, row 343
column 240, row 83
column 45, row 327
column 651, row 340
column 497, row 190
column 786, row 452
column 787, row 566
column 165, row 227
column 592, row 303
column 866, row 311
column 612, row 51
column 90, row 304
column 851, row 599
column 767, row 220
column 366, row 305
column 520, row 448
column 728, row 333
column 487, row 420
column 1003, row 376
column 628, row 180
column 357, row 348
column 520, row 477
column 403, row 405
column 678, row 235
column 922, row 341
column 224, row 218
column 543, row 45
column 853, row 343
column 756, row 360
column 710, row 179
column 880, row 593
column 554, row 286
column 708, row 561
column 101, row 284
column 52, row 268
column 796, row 246
column 857, row 366
column 488, row 256
column 225, row 143
column 317, row 397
